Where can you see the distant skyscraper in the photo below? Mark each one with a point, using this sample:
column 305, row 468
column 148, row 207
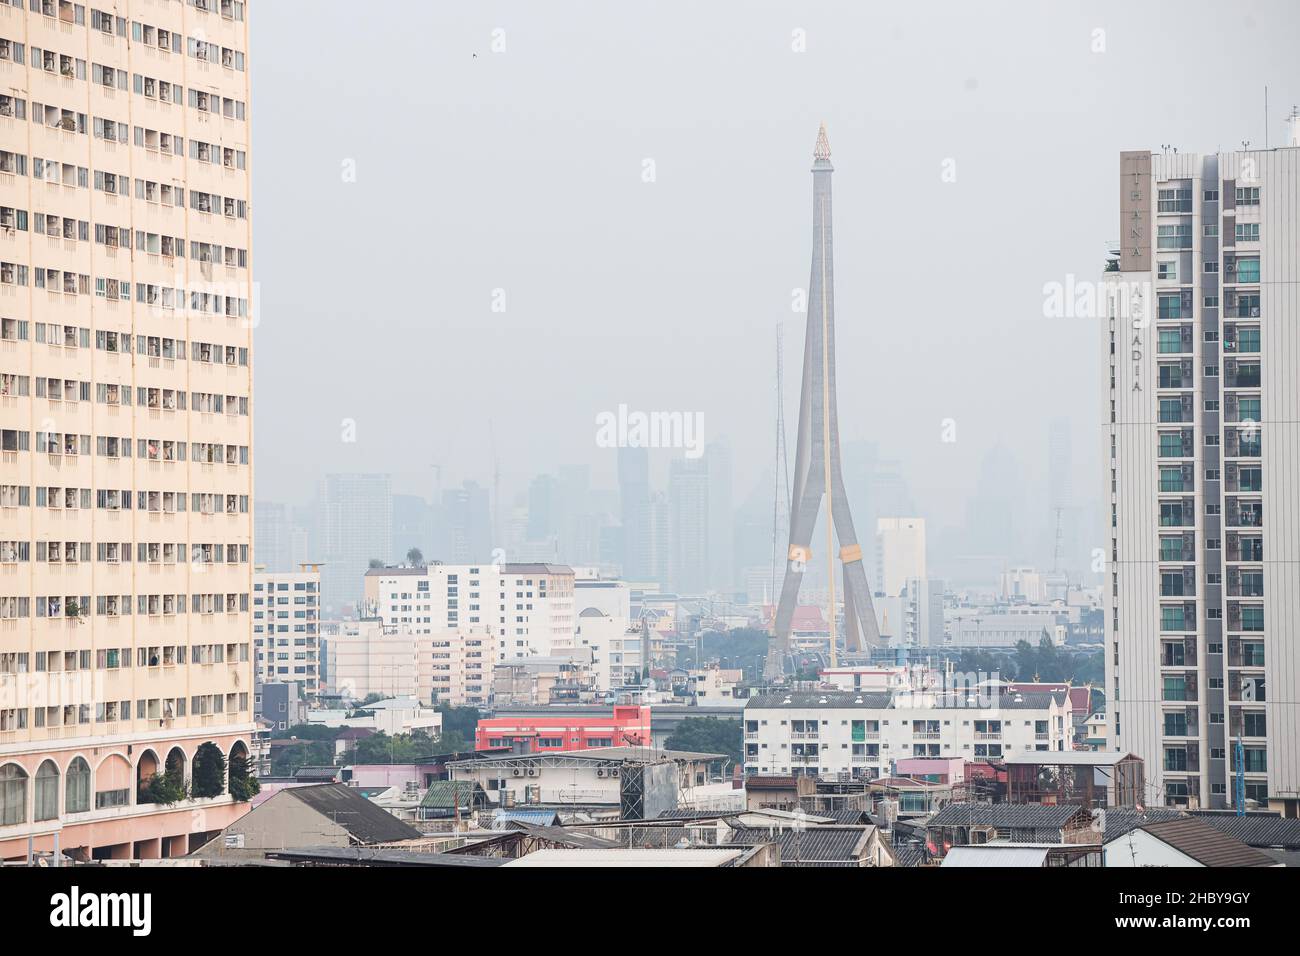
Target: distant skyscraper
column 412, row 527
column 634, row 501
column 995, row 513
column 722, row 519
column 817, row 476
column 688, row 494
column 1202, row 403
column 465, row 525
column 357, row 514
column 1063, row 512
column 900, row 553
column 272, row 536
column 655, row 551
column 878, row 489
column 544, row 508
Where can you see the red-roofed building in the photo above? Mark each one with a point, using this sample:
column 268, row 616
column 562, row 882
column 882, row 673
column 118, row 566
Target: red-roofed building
column 626, row 726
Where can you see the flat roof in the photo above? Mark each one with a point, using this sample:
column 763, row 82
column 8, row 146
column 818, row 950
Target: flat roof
column 364, row 856
column 624, row 857
column 596, row 755
column 912, row 701
column 995, row 855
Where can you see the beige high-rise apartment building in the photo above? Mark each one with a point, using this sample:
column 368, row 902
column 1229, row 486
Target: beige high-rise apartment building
column 125, row 394
column 1201, row 425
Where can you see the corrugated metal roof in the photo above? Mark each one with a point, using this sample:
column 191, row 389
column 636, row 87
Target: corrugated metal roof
column 1011, row 815
column 987, row 855
column 364, row 856
column 575, row 838
column 448, row 794
column 1120, row 820
column 910, row 854
column 364, row 822
column 813, row 844
column 1257, row 830
column 536, row 818
column 624, row 857
column 1207, row 845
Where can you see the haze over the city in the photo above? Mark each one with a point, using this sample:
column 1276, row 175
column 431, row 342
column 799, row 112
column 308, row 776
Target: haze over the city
column 500, row 156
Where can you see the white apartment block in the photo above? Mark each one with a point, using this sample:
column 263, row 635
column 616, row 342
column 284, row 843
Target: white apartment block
column 1201, row 413
column 286, row 628
column 837, row 734
column 617, row 651
column 369, row 657
column 900, row 553
column 125, row 417
column 455, row 667
column 527, row 607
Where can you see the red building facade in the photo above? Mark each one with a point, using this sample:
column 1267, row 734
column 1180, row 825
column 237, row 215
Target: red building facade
column 625, row 727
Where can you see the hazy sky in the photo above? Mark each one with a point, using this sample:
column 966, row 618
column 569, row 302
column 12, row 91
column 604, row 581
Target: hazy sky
column 522, row 170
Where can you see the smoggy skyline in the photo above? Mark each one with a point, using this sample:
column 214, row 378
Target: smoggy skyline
column 629, row 189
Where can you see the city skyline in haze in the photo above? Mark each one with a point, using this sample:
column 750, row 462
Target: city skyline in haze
column 641, row 237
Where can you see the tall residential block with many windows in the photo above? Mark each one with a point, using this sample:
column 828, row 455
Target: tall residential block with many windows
column 1201, row 337
column 286, row 627
column 125, row 394
column 525, row 609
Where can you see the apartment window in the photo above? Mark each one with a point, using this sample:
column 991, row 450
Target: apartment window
column 1174, row 236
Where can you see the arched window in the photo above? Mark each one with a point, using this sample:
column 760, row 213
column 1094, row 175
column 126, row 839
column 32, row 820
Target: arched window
column 47, row 792
column 13, row 795
column 77, row 787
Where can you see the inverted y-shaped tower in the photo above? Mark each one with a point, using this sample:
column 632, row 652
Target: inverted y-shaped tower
column 817, row 451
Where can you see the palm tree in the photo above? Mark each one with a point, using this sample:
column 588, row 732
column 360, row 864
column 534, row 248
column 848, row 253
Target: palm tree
column 415, row 558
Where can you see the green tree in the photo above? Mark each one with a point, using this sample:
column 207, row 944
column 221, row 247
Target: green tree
column 307, row 732
column 376, row 563
column 415, row 558
column 164, row 788
column 209, row 774
column 243, row 785
column 463, row 721
column 745, row 648
column 708, row 735
column 309, row 753
column 399, row 748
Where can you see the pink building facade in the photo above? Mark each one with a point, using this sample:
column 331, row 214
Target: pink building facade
column 88, row 799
